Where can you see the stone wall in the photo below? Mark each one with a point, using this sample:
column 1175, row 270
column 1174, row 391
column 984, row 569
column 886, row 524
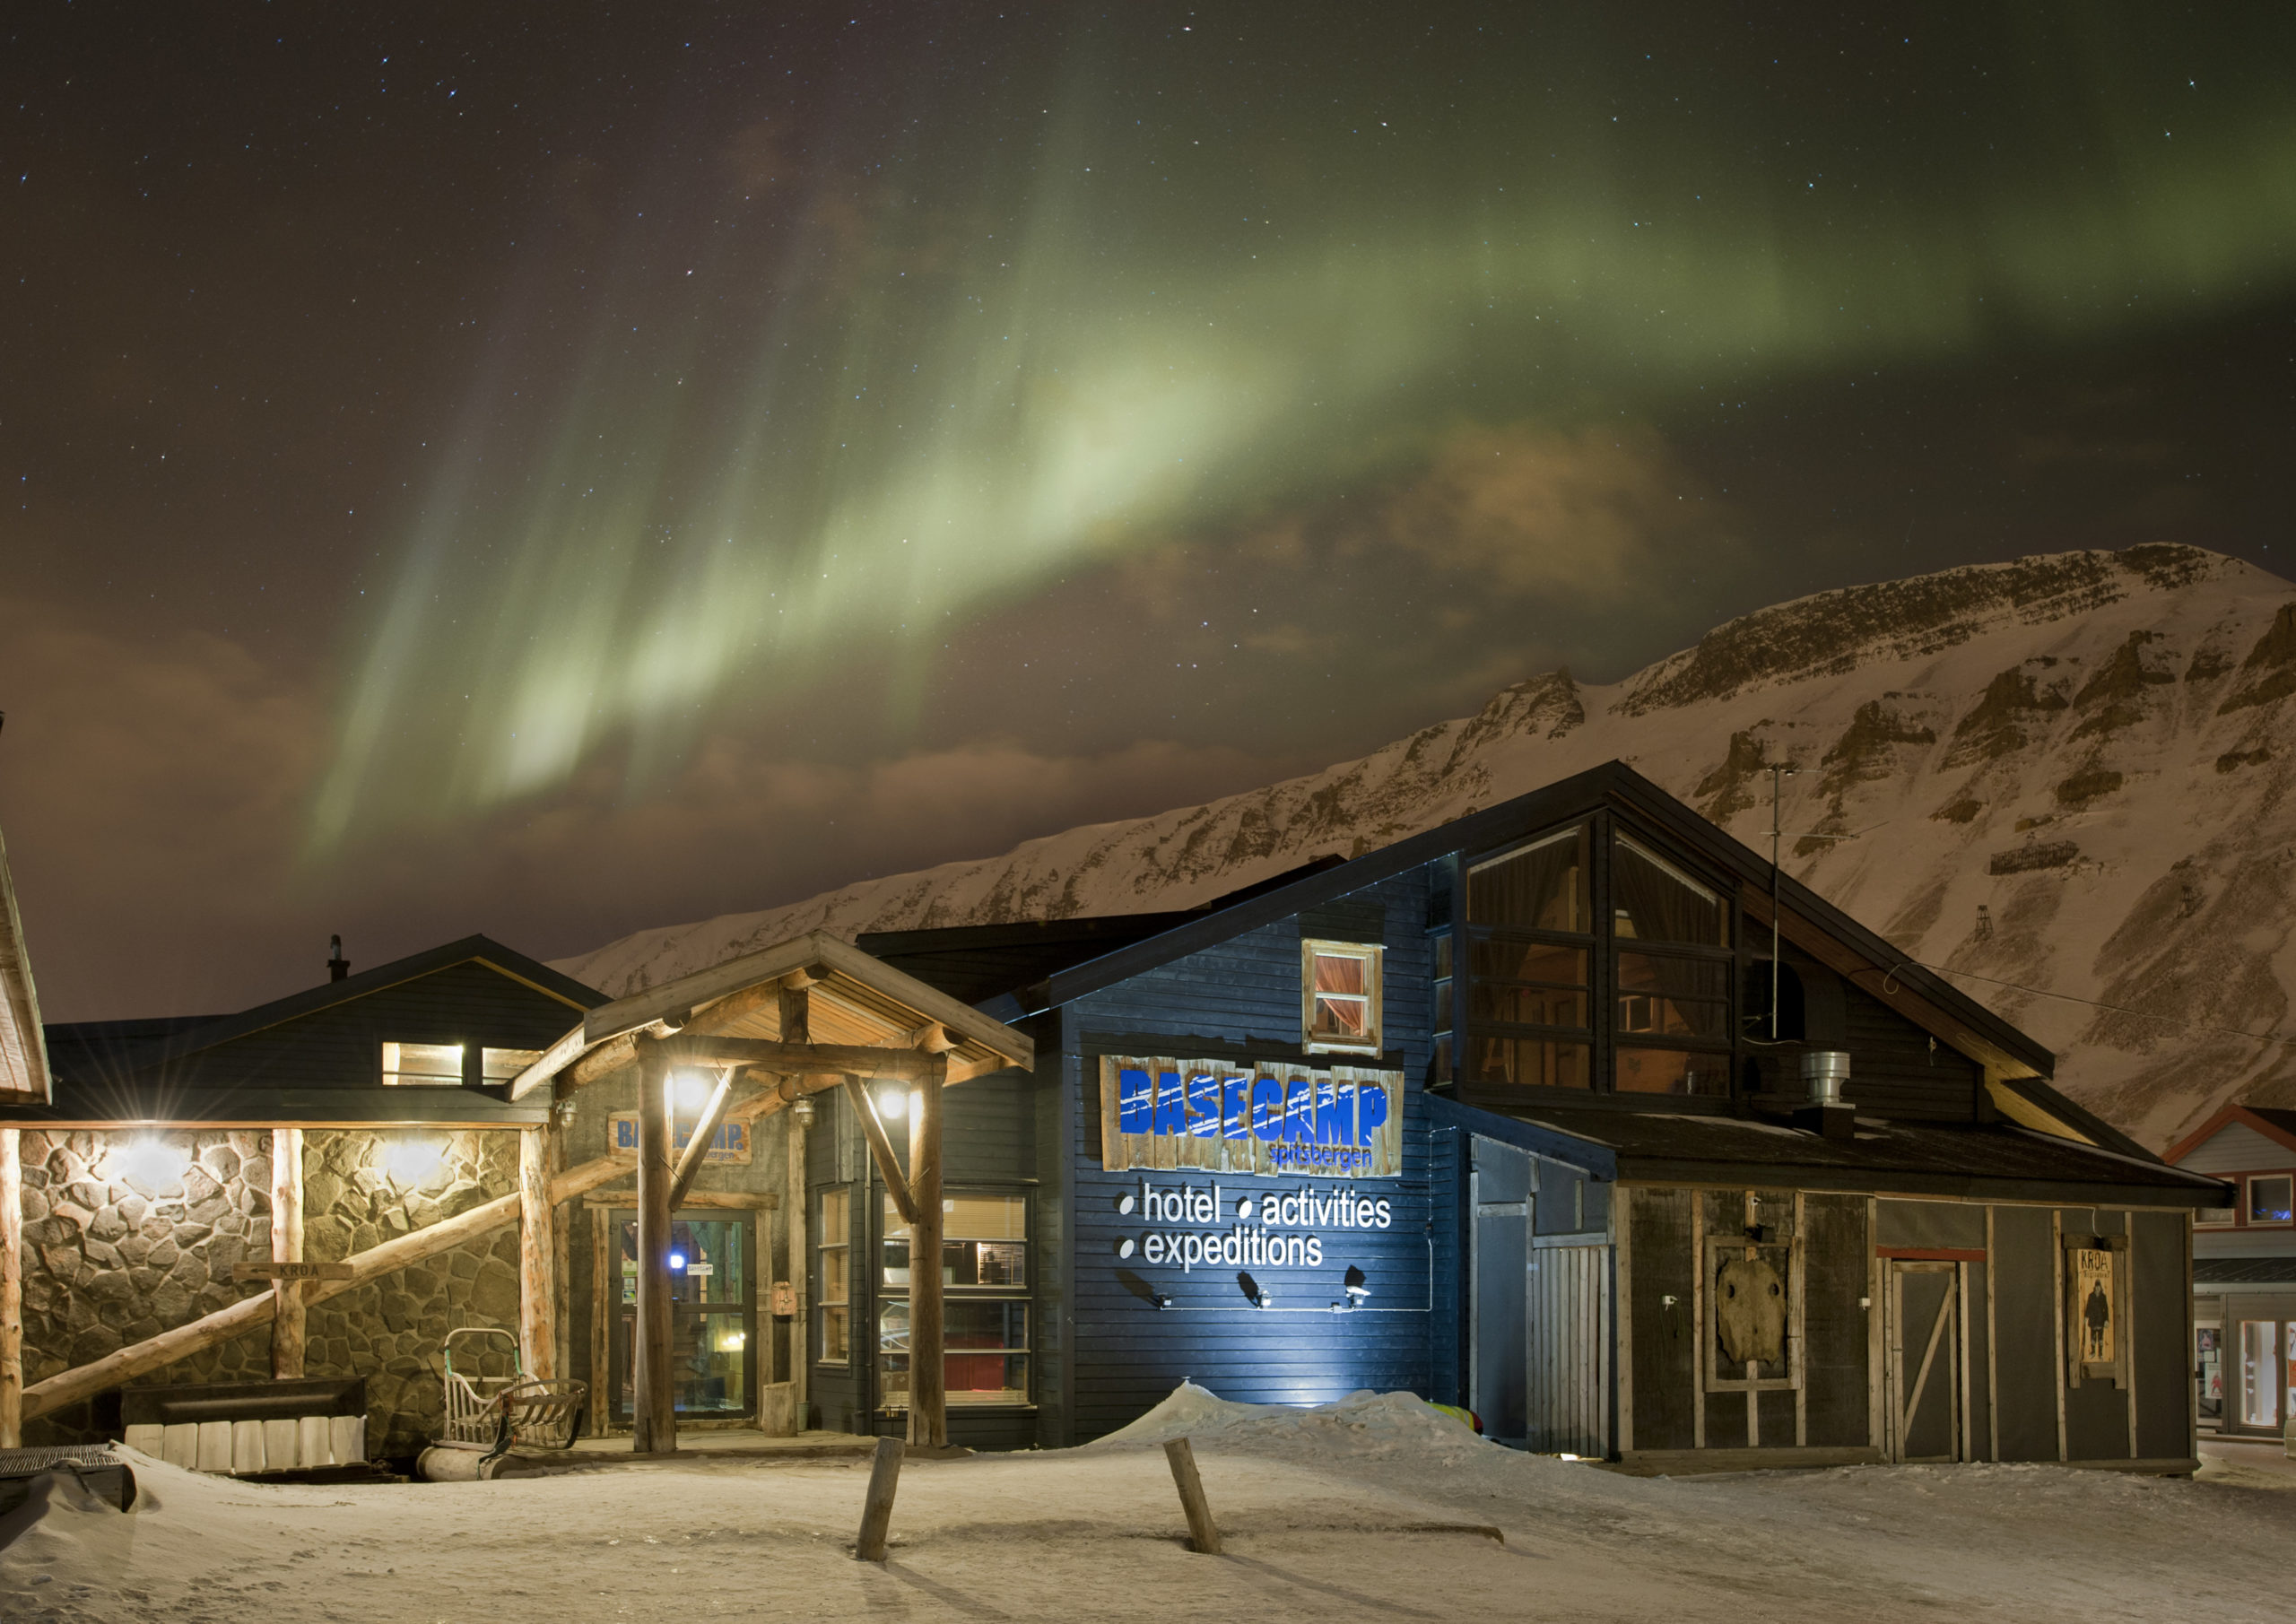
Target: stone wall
column 127, row 1235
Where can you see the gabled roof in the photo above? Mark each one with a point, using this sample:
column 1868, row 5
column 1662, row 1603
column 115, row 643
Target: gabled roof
column 857, row 999
column 1616, row 786
column 2274, row 1123
column 23, row 1047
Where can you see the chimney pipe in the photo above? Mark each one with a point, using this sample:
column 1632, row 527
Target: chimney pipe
column 337, row 966
column 1824, row 1071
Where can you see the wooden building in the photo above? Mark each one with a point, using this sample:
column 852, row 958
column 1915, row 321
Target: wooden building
column 1572, row 1111
column 2244, row 1271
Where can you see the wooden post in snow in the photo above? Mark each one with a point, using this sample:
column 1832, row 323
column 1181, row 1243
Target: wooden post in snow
column 1202, row 1533
column 11, row 1289
column 288, row 1338
column 538, row 1251
column 928, row 1408
column 877, row 1505
column 654, row 1428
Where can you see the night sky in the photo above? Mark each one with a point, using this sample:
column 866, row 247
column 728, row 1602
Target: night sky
column 552, row 470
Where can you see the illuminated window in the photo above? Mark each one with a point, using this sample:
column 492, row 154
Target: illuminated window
column 833, row 1296
column 2269, row 1200
column 500, row 1065
column 424, row 1066
column 1339, row 996
column 985, row 1308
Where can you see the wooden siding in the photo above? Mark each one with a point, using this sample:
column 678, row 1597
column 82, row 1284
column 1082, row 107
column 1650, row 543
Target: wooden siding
column 1660, row 1262
column 1836, row 1285
column 1129, row 1354
column 2237, row 1148
column 2024, row 1295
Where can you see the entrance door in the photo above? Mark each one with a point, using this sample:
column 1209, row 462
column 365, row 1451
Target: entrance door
column 2260, row 1376
column 1925, row 1362
column 1567, row 1342
column 1501, row 1193
column 713, row 1314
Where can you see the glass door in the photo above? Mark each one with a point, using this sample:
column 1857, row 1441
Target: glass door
column 2260, row 1373
column 713, row 1314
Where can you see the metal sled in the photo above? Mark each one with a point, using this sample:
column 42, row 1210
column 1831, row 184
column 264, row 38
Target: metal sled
column 494, row 1412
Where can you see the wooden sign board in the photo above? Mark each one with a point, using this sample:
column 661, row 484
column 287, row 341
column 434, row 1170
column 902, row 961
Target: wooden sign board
column 730, row 1147
column 1269, row 1118
column 2094, row 1295
column 244, row 1273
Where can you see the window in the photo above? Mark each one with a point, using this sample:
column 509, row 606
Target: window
column 985, row 1305
column 1339, row 996
column 833, row 1296
column 502, row 1065
column 2271, row 1200
column 712, row 1315
column 1657, row 902
column 2216, row 1218
column 1542, row 885
column 1671, row 978
column 423, row 1066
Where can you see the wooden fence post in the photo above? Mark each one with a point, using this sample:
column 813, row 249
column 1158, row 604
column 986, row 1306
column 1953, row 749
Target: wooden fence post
column 11, row 1289
column 877, row 1507
column 653, row 1427
column 537, row 1251
column 1202, row 1533
column 288, row 1335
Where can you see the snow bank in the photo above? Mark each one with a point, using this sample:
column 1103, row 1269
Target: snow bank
column 1363, row 1422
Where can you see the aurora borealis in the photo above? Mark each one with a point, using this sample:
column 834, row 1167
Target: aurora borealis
column 551, row 473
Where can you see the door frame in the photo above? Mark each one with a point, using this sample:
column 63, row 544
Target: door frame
column 1937, row 1367
column 758, row 1370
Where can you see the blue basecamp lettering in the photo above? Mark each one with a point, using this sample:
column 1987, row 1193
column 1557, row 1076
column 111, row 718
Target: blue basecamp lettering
column 1133, row 1100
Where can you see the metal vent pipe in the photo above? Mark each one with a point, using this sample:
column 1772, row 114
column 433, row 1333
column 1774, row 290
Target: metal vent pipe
column 1824, row 1071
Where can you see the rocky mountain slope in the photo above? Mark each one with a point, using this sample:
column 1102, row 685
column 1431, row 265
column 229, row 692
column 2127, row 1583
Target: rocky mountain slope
column 2070, row 772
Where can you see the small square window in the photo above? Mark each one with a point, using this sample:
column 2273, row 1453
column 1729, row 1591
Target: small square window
column 2272, row 1201
column 423, row 1065
column 502, row 1065
column 1339, row 996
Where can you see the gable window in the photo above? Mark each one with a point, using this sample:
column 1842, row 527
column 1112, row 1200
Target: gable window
column 1530, row 947
column 1339, row 996
column 502, row 1065
column 426, row 1065
column 2272, row 1199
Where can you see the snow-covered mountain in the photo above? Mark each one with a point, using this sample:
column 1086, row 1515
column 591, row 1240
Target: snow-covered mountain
column 2070, row 772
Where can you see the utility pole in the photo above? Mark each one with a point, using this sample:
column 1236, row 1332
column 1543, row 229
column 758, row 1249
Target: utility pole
column 1779, row 771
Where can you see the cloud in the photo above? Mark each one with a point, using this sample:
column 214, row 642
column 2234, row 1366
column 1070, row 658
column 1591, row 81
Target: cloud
column 1599, row 514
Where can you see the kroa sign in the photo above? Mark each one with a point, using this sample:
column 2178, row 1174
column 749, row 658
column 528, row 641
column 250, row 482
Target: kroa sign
column 1271, row 1119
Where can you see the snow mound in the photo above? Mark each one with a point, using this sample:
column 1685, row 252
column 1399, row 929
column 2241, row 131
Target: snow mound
column 1363, row 1422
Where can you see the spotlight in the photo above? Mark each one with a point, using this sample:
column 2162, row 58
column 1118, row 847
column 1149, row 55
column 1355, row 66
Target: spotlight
column 691, row 1089
column 892, row 1104
column 152, row 1162
column 410, row 1159
column 1161, row 1302
column 1357, row 1290
column 677, row 1261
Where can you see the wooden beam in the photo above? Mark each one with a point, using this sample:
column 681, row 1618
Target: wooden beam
column 537, row 1253
column 653, row 1427
column 697, row 1147
column 929, row 1409
column 795, row 1059
column 250, row 1314
column 11, row 1289
column 613, row 1055
column 288, row 1340
column 873, row 1130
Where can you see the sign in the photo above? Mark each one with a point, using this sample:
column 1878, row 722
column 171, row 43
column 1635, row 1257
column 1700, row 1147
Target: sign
column 2092, row 1306
column 785, row 1298
column 1207, row 1226
column 731, row 1146
column 1264, row 1119
column 243, row 1273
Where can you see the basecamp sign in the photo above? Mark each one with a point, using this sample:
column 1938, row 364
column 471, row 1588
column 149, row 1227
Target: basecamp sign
column 1271, row 1119
column 731, row 1142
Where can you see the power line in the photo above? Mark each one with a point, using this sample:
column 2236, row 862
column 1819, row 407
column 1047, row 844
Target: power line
column 2118, row 1009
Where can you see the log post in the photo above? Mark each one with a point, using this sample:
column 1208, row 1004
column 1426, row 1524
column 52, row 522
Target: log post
column 537, row 1251
column 1202, row 1533
column 877, row 1505
column 654, row 1428
column 929, row 1409
column 288, row 1340
column 797, row 1027
column 880, row 1147
column 696, row 1144
column 11, row 1289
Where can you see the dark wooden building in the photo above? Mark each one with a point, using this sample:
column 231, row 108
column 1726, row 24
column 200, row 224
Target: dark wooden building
column 2244, row 1271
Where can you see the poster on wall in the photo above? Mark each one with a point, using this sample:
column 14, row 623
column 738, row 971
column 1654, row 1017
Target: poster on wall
column 2092, row 1304
column 1271, row 1119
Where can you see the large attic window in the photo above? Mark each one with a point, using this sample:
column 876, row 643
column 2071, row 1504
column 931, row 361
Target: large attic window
column 1655, row 902
column 1540, row 886
column 423, row 1065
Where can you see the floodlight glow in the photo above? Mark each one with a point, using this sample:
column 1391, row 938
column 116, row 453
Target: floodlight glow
column 151, row 1161
column 411, row 1158
column 893, row 1104
column 691, row 1089
column 677, row 1261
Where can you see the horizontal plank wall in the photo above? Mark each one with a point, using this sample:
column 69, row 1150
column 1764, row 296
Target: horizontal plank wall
column 1242, row 997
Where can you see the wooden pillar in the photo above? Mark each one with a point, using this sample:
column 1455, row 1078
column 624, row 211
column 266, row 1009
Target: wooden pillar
column 537, row 1250
column 654, row 1426
column 12, row 1290
column 288, row 1339
column 797, row 1027
column 928, row 1409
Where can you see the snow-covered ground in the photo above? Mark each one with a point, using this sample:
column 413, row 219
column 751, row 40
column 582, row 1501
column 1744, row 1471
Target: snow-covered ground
column 1366, row 1509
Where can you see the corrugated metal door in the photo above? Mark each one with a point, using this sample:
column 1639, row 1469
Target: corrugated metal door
column 1567, row 1298
column 1501, row 1192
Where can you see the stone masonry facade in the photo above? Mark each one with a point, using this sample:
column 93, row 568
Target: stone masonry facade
column 127, row 1235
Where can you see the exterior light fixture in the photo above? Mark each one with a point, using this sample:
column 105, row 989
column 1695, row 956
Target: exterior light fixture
column 802, row 1108
column 892, row 1104
column 677, row 1261
column 151, row 1161
column 1357, row 1288
column 1161, row 1301
column 692, row 1090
